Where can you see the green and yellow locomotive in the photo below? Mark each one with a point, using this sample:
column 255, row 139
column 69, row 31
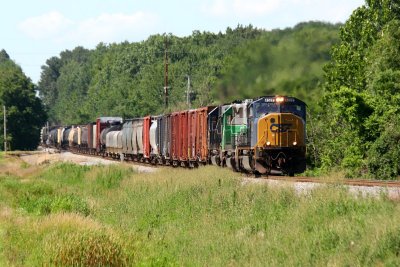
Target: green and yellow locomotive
column 264, row 135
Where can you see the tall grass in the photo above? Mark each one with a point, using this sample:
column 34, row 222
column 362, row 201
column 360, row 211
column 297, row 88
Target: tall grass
column 110, row 215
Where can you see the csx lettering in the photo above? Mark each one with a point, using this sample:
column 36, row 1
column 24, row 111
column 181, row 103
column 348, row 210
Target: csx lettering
column 280, row 128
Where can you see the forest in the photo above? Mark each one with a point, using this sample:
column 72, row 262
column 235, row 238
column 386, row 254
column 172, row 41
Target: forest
column 128, row 78
column 349, row 75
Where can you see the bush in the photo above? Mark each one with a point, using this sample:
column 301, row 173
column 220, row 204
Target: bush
column 72, row 240
column 52, row 204
column 65, row 239
column 68, row 173
column 384, row 154
column 84, row 248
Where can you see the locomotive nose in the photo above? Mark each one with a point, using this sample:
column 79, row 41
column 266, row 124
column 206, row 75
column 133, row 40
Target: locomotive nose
column 280, row 130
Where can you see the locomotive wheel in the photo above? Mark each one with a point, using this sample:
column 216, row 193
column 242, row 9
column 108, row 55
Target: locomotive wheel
column 231, row 163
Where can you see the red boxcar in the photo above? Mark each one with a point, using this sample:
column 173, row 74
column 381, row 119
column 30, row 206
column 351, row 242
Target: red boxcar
column 192, row 134
column 175, row 133
column 202, row 133
column 183, row 135
column 146, row 136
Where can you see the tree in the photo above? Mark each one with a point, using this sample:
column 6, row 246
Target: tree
column 25, row 112
column 286, row 62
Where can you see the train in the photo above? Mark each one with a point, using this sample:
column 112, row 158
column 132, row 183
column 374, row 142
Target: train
column 262, row 136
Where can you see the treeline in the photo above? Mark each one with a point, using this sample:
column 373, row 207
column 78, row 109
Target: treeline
column 128, row 78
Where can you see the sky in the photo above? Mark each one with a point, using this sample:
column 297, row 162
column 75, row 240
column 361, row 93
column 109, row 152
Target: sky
column 33, row 31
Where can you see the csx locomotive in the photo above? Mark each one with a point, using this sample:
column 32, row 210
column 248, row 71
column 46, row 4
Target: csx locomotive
column 261, row 135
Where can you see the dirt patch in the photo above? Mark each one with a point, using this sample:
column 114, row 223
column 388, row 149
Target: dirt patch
column 52, row 156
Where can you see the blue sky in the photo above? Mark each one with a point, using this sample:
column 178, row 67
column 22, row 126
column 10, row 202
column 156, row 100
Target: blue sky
column 33, row 31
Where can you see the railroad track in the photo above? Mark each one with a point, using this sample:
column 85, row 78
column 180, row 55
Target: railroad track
column 300, row 179
column 354, row 182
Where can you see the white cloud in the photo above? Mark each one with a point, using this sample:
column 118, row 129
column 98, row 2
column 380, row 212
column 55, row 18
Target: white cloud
column 106, row 27
column 112, row 27
column 45, row 26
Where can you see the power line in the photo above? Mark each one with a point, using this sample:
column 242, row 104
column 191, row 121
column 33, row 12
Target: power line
column 166, row 73
column 5, row 129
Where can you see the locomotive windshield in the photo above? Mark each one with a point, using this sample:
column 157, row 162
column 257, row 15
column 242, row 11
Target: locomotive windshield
column 296, row 109
column 263, row 107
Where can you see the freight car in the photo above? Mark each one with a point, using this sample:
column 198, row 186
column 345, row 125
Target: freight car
column 261, row 135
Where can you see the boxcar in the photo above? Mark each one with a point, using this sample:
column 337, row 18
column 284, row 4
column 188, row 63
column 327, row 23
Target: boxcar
column 202, row 133
column 192, row 136
column 175, row 138
column 146, row 137
column 183, row 137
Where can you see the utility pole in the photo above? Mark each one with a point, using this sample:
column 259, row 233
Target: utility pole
column 5, row 129
column 188, row 92
column 166, row 72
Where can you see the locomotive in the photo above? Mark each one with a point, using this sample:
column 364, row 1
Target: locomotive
column 262, row 136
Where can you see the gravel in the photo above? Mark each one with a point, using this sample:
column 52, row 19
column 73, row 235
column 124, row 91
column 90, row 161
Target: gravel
column 302, row 188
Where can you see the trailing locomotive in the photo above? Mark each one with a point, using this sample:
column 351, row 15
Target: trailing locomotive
column 262, row 135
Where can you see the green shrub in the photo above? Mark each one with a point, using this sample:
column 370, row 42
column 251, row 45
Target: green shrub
column 69, row 203
column 72, row 240
column 40, row 198
column 384, row 154
column 47, row 204
column 64, row 239
column 84, row 248
column 67, row 173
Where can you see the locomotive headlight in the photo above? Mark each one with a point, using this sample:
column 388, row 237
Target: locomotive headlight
column 268, row 143
column 295, row 143
column 279, row 99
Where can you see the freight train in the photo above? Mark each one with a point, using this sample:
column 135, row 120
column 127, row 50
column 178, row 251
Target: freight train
column 260, row 136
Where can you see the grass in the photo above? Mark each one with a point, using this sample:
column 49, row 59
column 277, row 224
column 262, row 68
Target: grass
column 65, row 214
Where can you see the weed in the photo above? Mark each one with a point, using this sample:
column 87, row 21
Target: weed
column 66, row 173
column 65, row 240
column 111, row 176
column 24, row 165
